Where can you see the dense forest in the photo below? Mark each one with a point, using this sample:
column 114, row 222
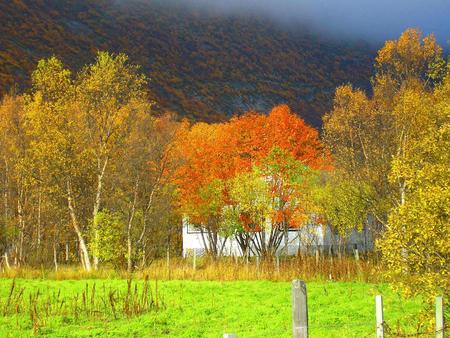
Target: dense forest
column 202, row 66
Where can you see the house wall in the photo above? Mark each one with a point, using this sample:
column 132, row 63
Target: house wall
column 309, row 238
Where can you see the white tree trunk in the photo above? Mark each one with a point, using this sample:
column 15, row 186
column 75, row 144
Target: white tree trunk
column 286, row 240
column 130, row 225
column 402, row 187
column 6, row 190
column 5, row 256
column 6, row 210
column 39, row 219
column 101, row 174
column 21, row 226
column 85, row 253
column 55, row 256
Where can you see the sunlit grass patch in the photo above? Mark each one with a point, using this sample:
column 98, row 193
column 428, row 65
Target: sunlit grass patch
column 197, row 308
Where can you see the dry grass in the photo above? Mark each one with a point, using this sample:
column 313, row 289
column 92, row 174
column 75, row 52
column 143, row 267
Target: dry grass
column 225, row 269
column 230, row 269
column 63, row 273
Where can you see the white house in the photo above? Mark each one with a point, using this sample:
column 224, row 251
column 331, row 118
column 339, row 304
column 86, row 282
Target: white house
column 307, row 239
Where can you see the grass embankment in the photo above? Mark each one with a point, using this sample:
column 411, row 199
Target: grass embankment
column 194, row 308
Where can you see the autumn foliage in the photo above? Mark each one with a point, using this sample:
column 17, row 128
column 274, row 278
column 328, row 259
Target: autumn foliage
column 87, row 164
column 391, row 152
column 217, row 154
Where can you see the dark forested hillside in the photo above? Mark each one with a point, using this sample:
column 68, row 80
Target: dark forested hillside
column 201, row 66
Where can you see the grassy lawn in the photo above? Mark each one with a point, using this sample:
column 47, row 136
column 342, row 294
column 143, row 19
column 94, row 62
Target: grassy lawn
column 209, row 309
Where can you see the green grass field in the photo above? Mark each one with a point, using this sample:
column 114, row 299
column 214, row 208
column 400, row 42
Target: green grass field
column 205, row 309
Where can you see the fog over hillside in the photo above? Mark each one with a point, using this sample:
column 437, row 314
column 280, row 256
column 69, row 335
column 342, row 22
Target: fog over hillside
column 374, row 21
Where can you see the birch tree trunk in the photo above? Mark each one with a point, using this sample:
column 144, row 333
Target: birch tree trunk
column 55, row 255
column 130, row 224
column 100, row 176
column 84, row 251
column 6, row 191
column 140, row 242
column 21, row 226
column 39, row 219
column 286, row 239
column 6, row 211
column 7, row 260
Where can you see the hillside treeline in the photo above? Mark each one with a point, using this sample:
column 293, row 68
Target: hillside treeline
column 92, row 174
column 203, row 66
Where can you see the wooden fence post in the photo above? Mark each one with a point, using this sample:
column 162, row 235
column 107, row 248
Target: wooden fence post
column 194, row 259
column 440, row 317
column 299, row 310
column 379, row 316
column 229, row 335
column 278, row 263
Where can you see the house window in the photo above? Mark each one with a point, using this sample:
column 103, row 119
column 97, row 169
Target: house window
column 193, row 229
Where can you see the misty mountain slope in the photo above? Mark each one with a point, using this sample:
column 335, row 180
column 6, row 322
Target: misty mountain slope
column 201, row 66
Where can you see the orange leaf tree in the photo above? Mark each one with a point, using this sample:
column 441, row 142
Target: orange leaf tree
column 216, row 153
